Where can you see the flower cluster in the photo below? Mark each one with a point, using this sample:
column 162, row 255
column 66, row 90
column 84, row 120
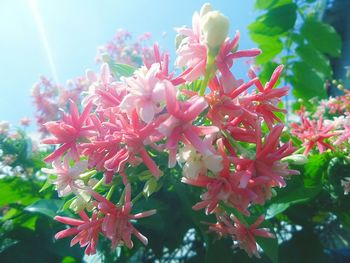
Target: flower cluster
column 326, row 126
column 222, row 132
column 241, row 232
column 123, row 49
column 50, row 99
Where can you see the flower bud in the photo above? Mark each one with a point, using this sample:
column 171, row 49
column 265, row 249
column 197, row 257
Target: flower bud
column 214, row 26
column 206, row 8
column 297, row 159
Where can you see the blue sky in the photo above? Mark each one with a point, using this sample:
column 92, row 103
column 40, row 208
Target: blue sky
column 74, row 29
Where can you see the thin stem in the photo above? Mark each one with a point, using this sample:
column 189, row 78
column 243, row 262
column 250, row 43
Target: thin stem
column 110, row 192
column 136, row 198
column 300, row 150
column 210, row 69
column 99, row 183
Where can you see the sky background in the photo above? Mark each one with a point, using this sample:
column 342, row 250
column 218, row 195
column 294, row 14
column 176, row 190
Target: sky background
column 74, row 30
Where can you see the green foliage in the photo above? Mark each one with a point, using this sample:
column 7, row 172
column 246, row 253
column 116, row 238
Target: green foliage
column 26, row 215
column 276, row 21
column 285, row 26
column 322, row 36
column 306, row 82
column 121, row 70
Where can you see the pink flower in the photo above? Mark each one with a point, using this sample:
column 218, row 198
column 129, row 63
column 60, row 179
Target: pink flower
column 68, row 132
column 191, row 53
column 121, row 140
column 86, row 230
column 312, row 132
column 224, row 105
column 116, row 223
column 25, row 121
column 240, row 233
column 178, row 126
column 344, row 135
column 244, row 235
column 146, row 93
column 225, row 58
column 267, row 98
column 104, row 91
column 221, row 187
column 267, row 163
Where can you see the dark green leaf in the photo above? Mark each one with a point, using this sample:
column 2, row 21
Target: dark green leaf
column 315, row 59
column 219, row 251
column 322, row 36
column 306, row 83
column 270, row 247
column 45, row 207
column 315, row 169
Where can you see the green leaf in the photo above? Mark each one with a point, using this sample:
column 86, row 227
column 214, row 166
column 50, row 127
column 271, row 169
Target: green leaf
column 17, row 190
column 267, row 71
column 122, row 70
column 306, row 83
column 270, row 247
column 315, row 168
column 270, row 46
column 69, row 260
column 315, row 59
column 48, row 182
column 322, row 36
column 219, row 251
column 68, row 203
column 276, row 21
column 266, row 4
column 275, row 209
column 45, row 207
column 150, row 187
column 27, row 222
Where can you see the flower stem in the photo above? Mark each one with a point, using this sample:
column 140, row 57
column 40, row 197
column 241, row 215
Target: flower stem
column 136, row 198
column 210, row 69
column 99, row 183
column 300, row 150
column 110, row 192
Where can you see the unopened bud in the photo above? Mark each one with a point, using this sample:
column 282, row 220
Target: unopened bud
column 297, row 159
column 214, row 27
column 205, row 9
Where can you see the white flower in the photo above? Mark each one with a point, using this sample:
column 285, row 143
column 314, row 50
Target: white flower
column 196, row 163
column 68, row 178
column 346, row 185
